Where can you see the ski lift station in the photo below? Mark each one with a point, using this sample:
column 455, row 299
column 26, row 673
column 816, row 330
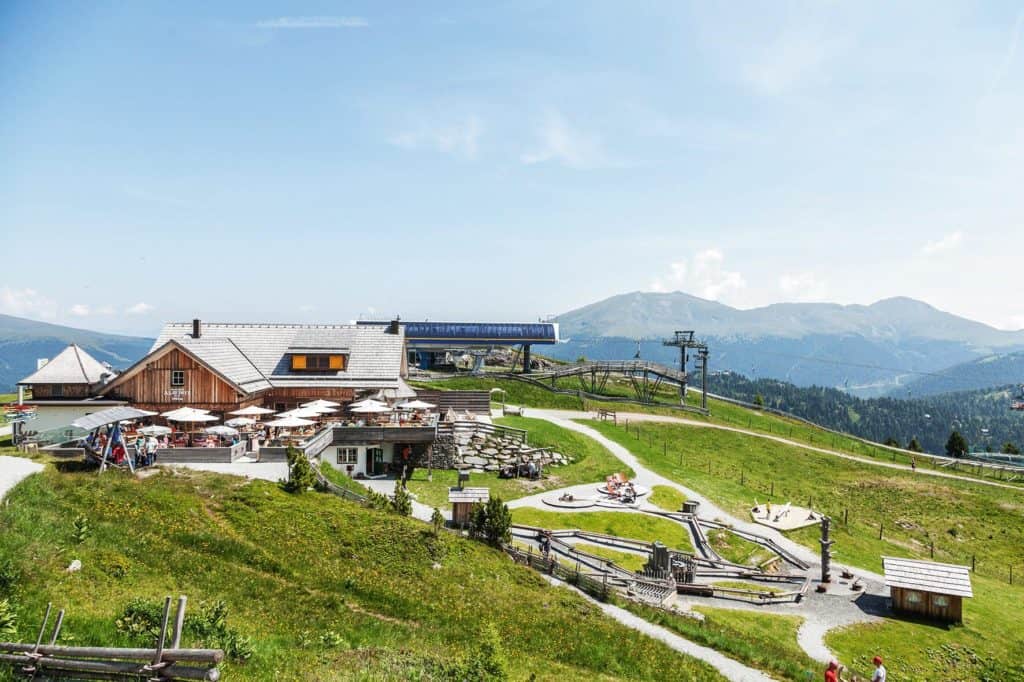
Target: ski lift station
column 432, row 345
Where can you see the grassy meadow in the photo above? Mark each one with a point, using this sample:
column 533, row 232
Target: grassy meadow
column 325, row 589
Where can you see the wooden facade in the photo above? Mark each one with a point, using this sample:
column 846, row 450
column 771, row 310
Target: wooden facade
column 175, row 379
column 279, row 399
column 61, row 391
column 944, row 607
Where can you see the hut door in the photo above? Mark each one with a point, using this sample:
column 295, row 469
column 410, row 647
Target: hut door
column 375, row 461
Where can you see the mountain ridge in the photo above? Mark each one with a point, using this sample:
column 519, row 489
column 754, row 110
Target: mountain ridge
column 23, row 341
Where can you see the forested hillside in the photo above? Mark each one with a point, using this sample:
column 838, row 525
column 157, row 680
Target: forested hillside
column 929, row 419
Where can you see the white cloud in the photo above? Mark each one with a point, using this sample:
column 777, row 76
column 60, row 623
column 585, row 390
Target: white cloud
column 460, row 139
column 561, row 143
column 803, row 286
column 703, row 276
column 26, row 303
column 80, row 310
column 313, row 22
column 947, row 243
column 138, row 309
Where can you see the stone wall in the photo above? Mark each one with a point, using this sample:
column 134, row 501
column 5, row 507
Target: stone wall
column 480, row 451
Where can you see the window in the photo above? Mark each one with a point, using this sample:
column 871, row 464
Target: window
column 177, row 377
column 939, row 601
column 913, row 597
column 318, row 363
column 348, row 455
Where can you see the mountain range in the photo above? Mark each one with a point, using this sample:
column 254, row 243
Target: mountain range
column 885, row 348
column 23, row 341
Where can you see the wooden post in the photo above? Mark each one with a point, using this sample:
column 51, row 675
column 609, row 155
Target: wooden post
column 772, row 493
column 846, row 517
column 932, row 550
column 664, row 448
column 179, row 622
column 741, row 476
column 56, row 627
column 972, row 563
column 880, row 524
column 158, row 657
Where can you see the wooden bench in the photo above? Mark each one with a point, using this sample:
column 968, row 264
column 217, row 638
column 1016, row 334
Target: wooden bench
column 605, row 415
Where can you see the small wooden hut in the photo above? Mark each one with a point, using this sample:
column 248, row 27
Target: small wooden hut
column 927, row 588
column 463, row 500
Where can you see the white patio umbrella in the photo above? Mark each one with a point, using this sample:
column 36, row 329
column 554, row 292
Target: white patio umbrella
column 290, row 422
column 322, row 410
column 366, row 402
column 221, row 430
column 316, row 404
column 417, row 405
column 301, row 413
column 241, row 421
column 252, row 411
column 189, row 414
column 372, row 409
column 155, row 430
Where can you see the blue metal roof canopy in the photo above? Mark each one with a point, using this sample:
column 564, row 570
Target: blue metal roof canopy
column 497, row 333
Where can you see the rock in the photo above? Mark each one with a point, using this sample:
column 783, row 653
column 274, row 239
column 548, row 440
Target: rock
column 476, row 461
column 492, row 467
column 74, row 566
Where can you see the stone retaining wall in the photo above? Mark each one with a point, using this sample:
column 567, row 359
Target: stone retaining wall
column 479, row 451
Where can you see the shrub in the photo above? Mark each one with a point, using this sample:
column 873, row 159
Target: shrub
column 8, row 621
column 142, row 617
column 301, row 476
column 437, row 521
column 9, row 576
column 491, row 522
column 401, row 503
column 488, row 663
column 81, row 529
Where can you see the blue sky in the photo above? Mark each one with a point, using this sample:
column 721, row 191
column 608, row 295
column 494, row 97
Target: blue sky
column 324, row 161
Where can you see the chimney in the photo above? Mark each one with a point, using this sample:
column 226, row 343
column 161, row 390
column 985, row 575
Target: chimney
column 197, row 328
column 393, row 326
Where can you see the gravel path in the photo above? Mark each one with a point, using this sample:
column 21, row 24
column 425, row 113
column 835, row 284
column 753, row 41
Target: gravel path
column 729, row 668
column 13, row 470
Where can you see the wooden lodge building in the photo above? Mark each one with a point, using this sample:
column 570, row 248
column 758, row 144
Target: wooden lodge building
column 225, row 367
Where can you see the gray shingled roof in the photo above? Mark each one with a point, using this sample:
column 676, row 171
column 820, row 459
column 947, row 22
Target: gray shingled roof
column 375, row 357
column 224, row 356
column 468, row 495
column 71, row 366
column 927, row 576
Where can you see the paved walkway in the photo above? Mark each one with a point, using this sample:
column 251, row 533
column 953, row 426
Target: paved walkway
column 13, row 470
column 644, row 417
column 729, row 668
column 267, row 471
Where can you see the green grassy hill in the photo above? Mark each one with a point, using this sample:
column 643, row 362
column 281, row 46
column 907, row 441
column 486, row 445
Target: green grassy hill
column 324, row 588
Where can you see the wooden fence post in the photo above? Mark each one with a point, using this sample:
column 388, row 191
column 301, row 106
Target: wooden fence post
column 846, row 517
column 880, row 524
column 772, row 493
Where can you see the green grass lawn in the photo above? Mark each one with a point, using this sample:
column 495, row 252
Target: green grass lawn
column 737, row 550
column 627, row 560
column 963, row 518
column 740, row 585
column 403, row 603
column 667, row 498
column 591, row 461
column 625, row 525
column 760, row 640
